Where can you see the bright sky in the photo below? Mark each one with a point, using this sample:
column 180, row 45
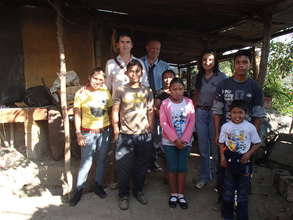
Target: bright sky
column 286, row 37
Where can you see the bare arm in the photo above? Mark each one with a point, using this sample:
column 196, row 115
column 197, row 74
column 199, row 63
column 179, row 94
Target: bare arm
column 195, row 97
column 115, row 120
column 77, row 122
column 150, row 116
column 217, row 124
column 157, row 107
column 257, row 123
column 246, row 157
column 222, row 155
column 110, row 114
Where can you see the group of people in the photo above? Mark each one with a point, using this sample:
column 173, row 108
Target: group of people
column 140, row 104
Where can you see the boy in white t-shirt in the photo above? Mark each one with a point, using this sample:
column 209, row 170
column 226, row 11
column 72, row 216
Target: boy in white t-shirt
column 238, row 140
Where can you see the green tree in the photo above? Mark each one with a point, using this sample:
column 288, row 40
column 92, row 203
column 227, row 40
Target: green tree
column 226, row 67
column 278, row 83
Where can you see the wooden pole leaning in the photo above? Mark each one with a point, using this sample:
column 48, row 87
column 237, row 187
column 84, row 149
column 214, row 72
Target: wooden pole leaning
column 62, row 76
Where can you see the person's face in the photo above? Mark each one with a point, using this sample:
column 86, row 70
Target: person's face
column 134, row 73
column 208, row 61
column 153, row 49
column 124, row 45
column 241, row 65
column 168, row 76
column 96, row 80
column 177, row 91
column 237, row 115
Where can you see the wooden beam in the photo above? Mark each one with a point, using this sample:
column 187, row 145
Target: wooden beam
column 265, row 50
column 62, row 76
column 254, row 63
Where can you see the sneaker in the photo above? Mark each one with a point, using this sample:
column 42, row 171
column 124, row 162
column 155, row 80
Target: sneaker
column 99, row 190
column 200, row 184
column 140, row 197
column 124, row 203
column 76, row 197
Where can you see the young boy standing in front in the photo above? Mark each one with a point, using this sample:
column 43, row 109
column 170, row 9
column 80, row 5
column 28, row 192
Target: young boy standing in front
column 238, row 141
column 132, row 116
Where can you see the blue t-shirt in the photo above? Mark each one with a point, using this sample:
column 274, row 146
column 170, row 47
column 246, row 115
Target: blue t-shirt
column 160, row 67
column 230, row 89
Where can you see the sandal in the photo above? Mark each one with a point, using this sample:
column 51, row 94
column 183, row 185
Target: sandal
column 183, row 203
column 173, row 201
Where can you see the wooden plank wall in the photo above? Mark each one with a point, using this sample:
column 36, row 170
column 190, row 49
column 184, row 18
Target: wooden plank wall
column 11, row 56
column 41, row 58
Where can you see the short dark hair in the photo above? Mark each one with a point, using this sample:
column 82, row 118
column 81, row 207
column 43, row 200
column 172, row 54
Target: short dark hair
column 132, row 63
column 176, row 80
column 238, row 104
column 246, row 53
column 92, row 72
column 167, row 71
column 96, row 69
column 153, row 40
column 123, row 34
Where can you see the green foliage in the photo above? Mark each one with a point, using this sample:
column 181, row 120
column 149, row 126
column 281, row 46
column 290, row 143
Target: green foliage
column 226, row 67
column 279, row 80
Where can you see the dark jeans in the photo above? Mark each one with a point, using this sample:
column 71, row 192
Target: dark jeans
column 133, row 155
column 236, row 177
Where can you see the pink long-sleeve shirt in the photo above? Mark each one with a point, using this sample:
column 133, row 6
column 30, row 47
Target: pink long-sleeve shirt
column 169, row 131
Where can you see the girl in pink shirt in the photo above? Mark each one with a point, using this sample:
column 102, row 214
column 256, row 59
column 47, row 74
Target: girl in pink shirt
column 177, row 119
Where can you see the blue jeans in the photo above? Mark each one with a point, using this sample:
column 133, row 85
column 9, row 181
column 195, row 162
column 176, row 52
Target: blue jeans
column 133, row 155
column 236, row 177
column 96, row 143
column 205, row 133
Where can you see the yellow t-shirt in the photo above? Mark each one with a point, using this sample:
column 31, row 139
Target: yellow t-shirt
column 94, row 107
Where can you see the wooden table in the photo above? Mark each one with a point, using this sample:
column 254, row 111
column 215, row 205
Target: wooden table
column 28, row 116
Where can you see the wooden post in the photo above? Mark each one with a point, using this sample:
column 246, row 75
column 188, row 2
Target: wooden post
column 254, row 63
column 62, row 77
column 28, row 124
column 11, row 142
column 178, row 68
column 265, row 50
column 188, row 73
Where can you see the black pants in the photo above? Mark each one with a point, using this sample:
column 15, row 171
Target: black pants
column 133, row 155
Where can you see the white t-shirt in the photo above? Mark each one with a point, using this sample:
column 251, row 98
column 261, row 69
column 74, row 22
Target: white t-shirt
column 115, row 74
column 179, row 116
column 239, row 137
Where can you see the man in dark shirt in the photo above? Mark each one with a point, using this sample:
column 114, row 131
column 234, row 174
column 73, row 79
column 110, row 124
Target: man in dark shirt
column 238, row 87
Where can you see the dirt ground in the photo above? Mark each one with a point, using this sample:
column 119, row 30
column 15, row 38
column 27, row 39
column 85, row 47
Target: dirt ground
column 24, row 196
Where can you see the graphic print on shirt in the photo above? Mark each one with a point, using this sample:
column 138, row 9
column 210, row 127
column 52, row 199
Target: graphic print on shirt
column 98, row 111
column 238, row 95
column 135, row 100
column 228, row 96
column 236, row 140
column 179, row 120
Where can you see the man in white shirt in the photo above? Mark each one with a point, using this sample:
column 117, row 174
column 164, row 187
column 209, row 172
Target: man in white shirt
column 115, row 68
